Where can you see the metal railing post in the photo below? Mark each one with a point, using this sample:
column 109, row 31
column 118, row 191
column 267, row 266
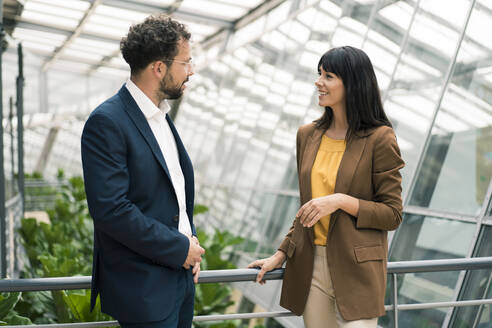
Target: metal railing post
column 395, row 299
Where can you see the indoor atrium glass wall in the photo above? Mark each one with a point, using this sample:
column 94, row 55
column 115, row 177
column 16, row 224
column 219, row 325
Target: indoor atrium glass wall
column 252, row 89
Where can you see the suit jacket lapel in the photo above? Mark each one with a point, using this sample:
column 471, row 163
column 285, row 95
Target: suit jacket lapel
column 186, row 166
column 142, row 125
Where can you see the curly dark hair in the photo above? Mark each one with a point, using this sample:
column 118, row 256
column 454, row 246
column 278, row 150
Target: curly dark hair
column 157, row 37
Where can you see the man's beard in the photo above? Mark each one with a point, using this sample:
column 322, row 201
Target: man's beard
column 168, row 89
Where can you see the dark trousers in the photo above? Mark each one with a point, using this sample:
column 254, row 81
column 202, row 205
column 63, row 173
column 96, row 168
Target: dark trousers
column 182, row 314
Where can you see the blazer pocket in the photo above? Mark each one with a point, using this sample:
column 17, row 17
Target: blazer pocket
column 369, row 253
column 291, row 249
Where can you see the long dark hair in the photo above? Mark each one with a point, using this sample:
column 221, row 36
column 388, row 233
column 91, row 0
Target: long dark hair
column 363, row 101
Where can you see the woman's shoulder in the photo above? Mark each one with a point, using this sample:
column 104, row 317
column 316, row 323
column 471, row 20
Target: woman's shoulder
column 306, row 128
column 381, row 133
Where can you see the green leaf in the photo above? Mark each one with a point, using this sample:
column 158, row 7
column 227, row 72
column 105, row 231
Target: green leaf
column 80, row 305
column 199, row 209
column 15, row 319
column 8, row 302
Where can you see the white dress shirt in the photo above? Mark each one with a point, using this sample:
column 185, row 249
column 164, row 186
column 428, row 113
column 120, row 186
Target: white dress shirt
column 156, row 117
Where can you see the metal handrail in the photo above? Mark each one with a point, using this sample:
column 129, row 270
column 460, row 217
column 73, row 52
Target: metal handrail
column 238, row 275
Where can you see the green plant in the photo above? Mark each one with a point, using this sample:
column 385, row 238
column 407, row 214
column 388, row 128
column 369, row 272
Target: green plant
column 7, row 313
column 215, row 298
column 62, row 247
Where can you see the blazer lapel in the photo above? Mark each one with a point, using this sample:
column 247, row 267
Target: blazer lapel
column 309, row 156
column 350, row 160
column 142, row 125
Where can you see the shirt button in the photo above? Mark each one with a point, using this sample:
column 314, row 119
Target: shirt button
column 176, row 218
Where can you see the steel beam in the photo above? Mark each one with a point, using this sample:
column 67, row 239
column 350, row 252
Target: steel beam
column 20, row 124
column 178, row 13
column 3, row 237
column 72, row 37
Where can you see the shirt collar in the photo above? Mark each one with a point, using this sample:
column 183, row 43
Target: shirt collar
column 148, row 108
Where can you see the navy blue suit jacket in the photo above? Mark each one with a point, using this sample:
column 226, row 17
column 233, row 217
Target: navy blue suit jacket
column 138, row 250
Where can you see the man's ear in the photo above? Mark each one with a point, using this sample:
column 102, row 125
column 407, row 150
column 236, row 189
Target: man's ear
column 161, row 67
column 158, row 67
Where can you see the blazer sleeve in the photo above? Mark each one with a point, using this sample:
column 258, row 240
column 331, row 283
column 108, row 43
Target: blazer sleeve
column 384, row 211
column 106, row 179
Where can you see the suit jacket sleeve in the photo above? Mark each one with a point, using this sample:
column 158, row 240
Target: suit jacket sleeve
column 384, row 211
column 107, row 181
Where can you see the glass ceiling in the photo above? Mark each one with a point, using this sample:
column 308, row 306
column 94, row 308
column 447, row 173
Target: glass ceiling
column 83, row 36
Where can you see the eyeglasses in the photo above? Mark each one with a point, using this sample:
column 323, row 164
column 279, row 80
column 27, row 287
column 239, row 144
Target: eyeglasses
column 188, row 63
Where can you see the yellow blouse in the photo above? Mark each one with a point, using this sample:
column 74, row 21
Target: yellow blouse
column 323, row 179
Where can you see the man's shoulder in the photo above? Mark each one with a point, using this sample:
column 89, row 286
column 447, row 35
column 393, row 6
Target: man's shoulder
column 110, row 107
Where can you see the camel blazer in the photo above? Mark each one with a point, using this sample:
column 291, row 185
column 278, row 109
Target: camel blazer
column 357, row 247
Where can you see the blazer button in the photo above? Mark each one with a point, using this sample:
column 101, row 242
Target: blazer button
column 176, row 218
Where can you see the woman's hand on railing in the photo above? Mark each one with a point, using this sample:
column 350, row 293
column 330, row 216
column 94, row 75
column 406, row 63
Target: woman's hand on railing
column 273, row 262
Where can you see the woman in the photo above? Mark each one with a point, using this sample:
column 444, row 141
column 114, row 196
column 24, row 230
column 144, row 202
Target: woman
column 348, row 164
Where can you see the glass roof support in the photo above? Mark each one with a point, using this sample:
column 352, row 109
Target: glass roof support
column 47, row 147
column 62, row 31
column 20, row 126
column 3, row 241
column 372, row 16
column 403, row 48
column 12, row 152
column 227, row 41
column 436, row 108
column 178, row 13
column 461, row 277
column 296, row 4
column 73, row 36
column 476, row 235
column 43, row 92
column 106, row 61
column 261, row 10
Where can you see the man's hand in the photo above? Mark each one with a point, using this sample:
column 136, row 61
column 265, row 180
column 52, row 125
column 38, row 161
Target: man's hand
column 196, row 268
column 196, row 272
column 195, row 253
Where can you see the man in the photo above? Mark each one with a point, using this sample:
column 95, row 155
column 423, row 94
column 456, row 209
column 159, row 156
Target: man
column 140, row 188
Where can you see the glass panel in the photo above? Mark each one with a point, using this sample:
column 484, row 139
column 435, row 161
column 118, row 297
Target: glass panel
column 477, row 285
column 427, row 238
column 56, row 11
column 457, row 166
column 420, row 75
column 219, row 9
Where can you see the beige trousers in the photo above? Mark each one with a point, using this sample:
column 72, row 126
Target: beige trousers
column 321, row 310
